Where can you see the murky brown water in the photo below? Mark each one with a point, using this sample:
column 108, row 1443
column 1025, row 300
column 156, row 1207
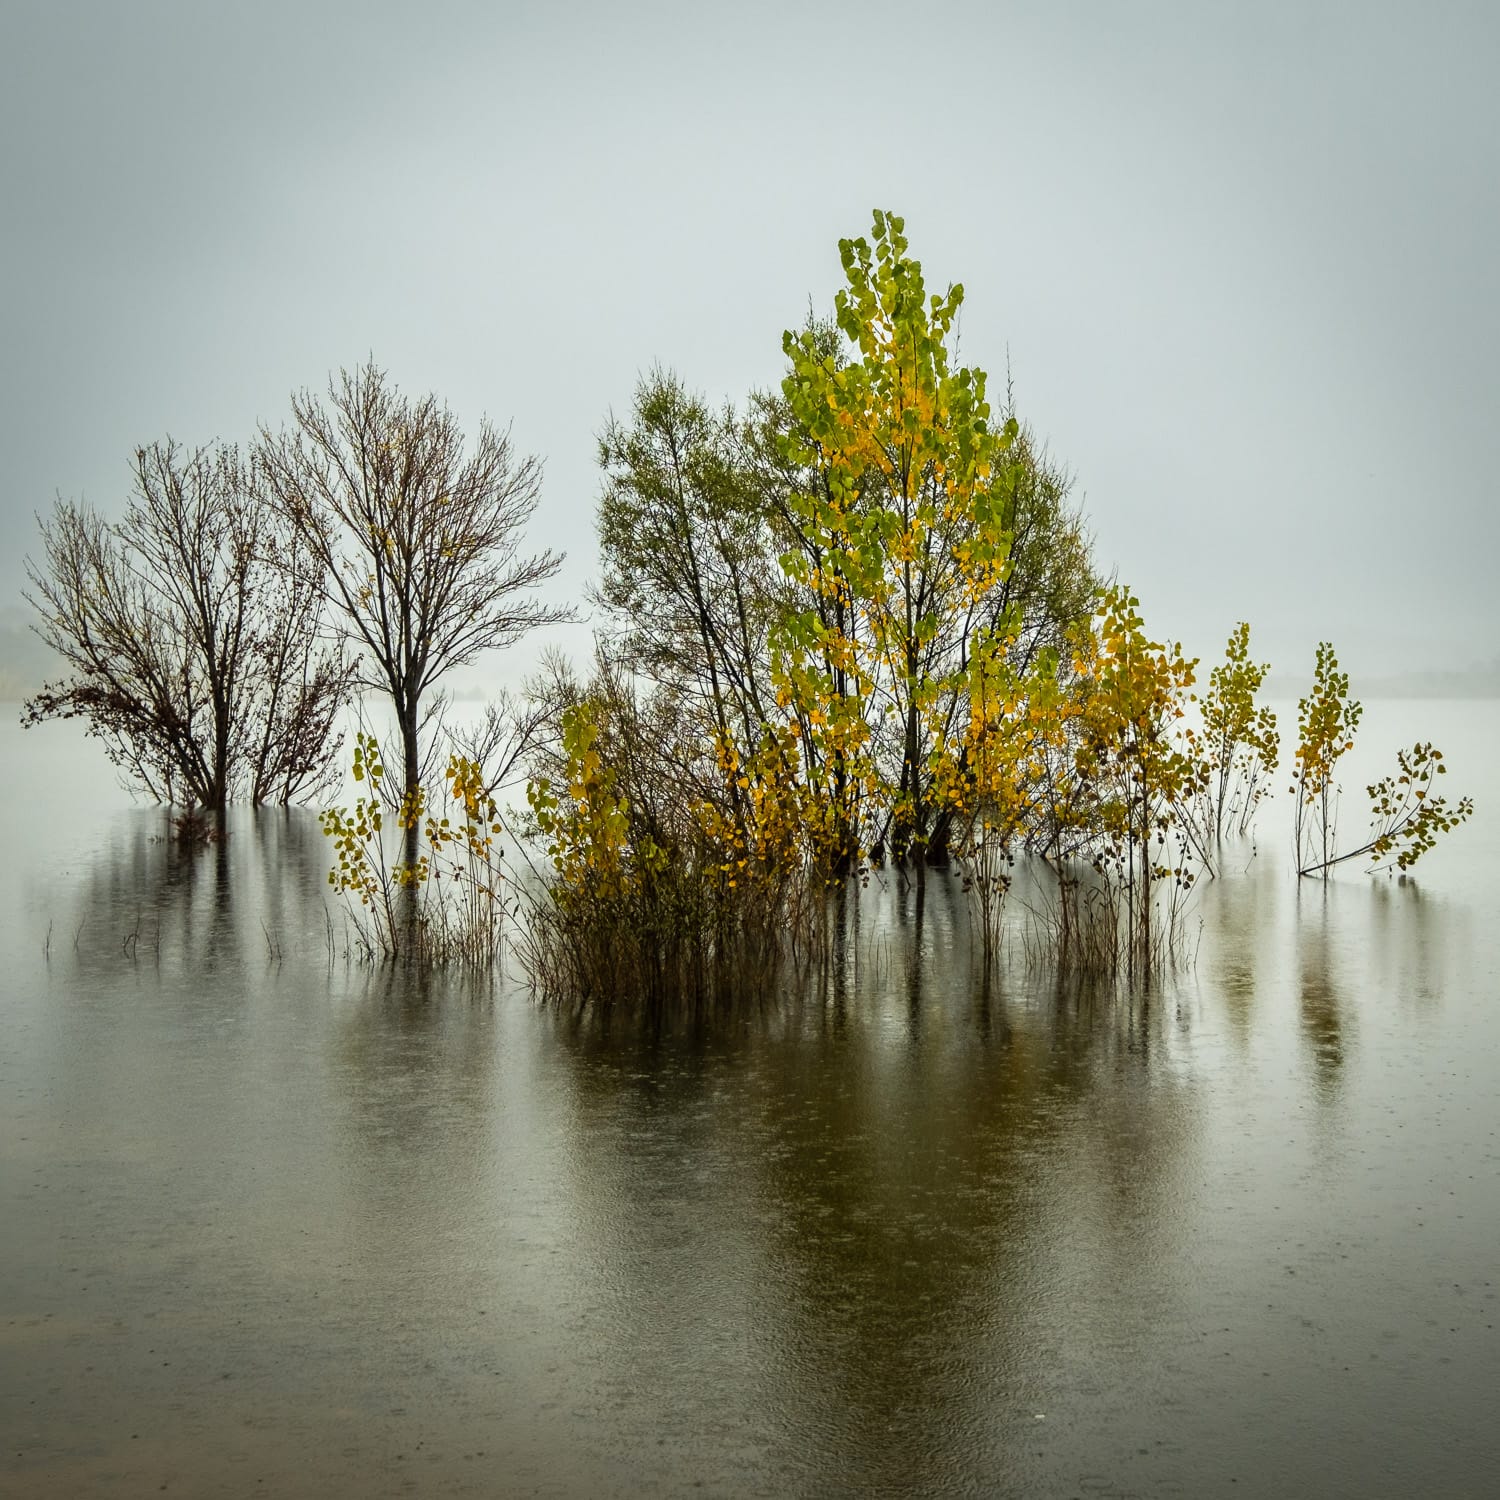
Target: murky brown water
column 274, row 1226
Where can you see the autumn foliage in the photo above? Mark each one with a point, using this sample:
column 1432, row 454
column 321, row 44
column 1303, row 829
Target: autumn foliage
column 850, row 626
column 881, row 645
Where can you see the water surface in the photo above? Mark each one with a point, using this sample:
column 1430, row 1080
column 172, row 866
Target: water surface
column 274, row 1223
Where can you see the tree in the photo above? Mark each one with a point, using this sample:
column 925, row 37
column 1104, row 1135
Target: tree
column 689, row 583
column 1029, row 615
column 1145, row 775
column 1406, row 816
column 192, row 627
column 828, row 557
column 1326, row 720
column 669, row 878
column 1242, row 738
column 419, row 541
column 902, row 539
column 1049, row 587
column 992, row 781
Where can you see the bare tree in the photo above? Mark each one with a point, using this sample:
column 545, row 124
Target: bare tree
column 419, row 543
column 192, row 628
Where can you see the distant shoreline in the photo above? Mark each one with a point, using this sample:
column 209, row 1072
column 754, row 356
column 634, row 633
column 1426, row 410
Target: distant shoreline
column 1450, row 685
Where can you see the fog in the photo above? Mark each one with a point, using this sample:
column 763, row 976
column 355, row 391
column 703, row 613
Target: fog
column 1238, row 261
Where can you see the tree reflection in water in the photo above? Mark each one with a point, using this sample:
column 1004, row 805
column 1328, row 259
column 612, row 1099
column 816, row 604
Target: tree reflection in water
column 866, row 1227
column 853, row 1237
column 1324, row 1024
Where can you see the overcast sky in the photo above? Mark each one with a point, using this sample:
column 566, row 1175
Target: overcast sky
column 1242, row 258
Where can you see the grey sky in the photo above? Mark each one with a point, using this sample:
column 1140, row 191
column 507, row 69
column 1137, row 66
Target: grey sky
column 1242, row 258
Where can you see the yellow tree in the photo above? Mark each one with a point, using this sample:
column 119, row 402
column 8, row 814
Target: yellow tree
column 1406, row 814
column 992, row 777
column 1145, row 769
column 899, row 542
column 1326, row 720
column 1243, row 741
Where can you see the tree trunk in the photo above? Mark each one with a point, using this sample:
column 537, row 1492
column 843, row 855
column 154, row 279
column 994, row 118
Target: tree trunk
column 411, row 776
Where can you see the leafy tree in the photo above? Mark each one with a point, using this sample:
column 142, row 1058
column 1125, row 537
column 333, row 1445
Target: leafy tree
column 902, row 539
column 992, row 780
column 1026, row 621
column 1406, row 818
column 1242, row 738
column 689, row 580
column 418, row 538
column 192, row 627
column 700, row 506
column 444, row 904
column 1050, row 587
column 1145, row 771
column 1326, row 720
column 664, row 883
column 1406, row 815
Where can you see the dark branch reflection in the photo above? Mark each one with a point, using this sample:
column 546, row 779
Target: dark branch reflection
column 899, row 1198
column 253, row 892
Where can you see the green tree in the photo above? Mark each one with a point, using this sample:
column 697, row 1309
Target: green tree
column 689, row 582
column 903, row 538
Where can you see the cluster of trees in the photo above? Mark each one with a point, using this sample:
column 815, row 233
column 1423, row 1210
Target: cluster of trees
column 856, row 621
column 217, row 630
column 851, row 622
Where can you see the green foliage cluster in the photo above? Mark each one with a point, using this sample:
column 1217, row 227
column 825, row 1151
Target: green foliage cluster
column 445, row 899
column 869, row 618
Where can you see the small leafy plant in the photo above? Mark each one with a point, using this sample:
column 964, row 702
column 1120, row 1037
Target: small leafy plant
column 1242, row 740
column 1406, row 816
column 444, row 901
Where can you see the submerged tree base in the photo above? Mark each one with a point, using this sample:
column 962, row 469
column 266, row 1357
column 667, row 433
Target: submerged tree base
column 1092, row 930
column 690, row 955
column 680, row 948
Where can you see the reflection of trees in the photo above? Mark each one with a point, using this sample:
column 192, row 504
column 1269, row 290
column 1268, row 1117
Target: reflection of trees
column 153, row 899
column 291, row 866
column 904, row 1196
column 199, row 909
column 414, row 1056
column 1241, row 912
column 1412, row 936
column 1323, row 1022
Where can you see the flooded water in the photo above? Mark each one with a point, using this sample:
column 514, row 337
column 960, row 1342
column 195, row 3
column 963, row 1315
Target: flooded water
column 275, row 1224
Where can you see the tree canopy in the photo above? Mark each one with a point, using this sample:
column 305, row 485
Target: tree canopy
column 418, row 535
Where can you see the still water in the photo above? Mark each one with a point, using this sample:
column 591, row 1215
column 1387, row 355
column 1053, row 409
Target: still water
column 275, row 1224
